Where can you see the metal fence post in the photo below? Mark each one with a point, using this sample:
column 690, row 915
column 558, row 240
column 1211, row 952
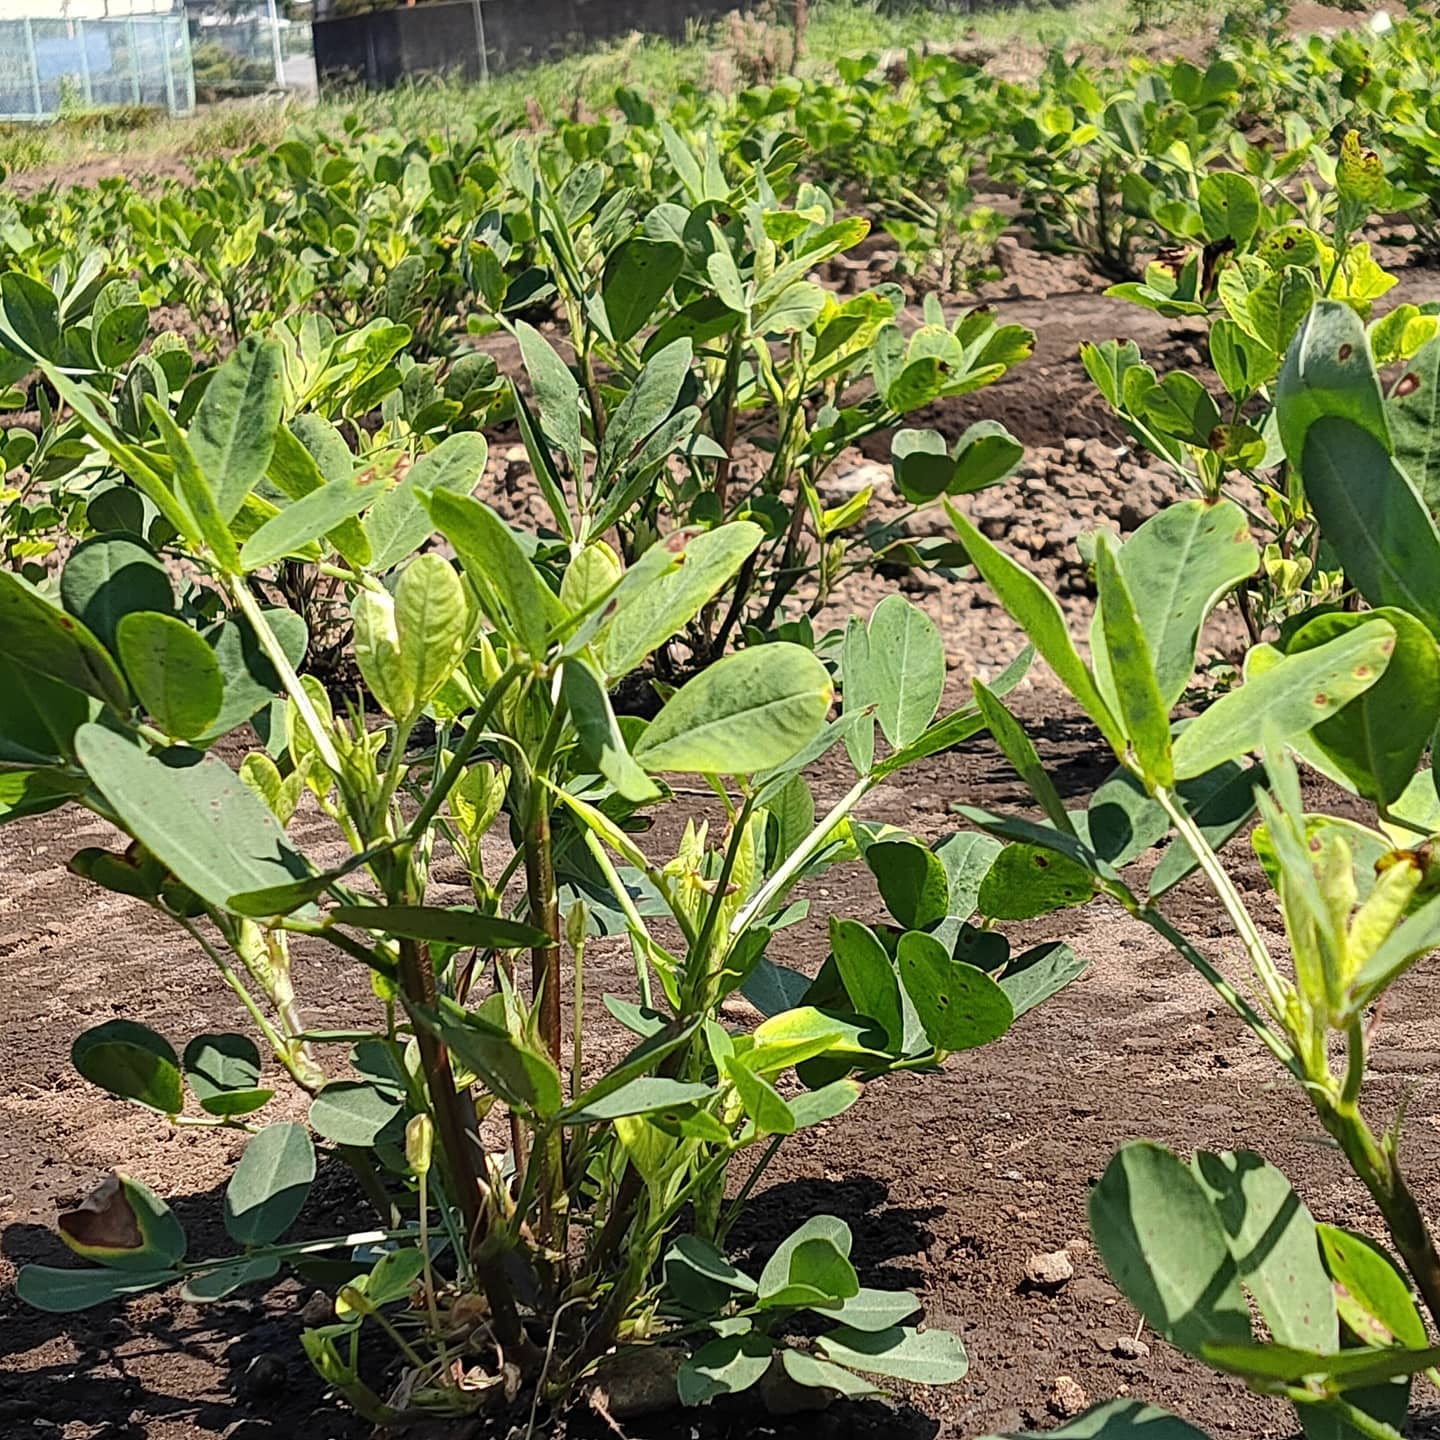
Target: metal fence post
column 480, row 42
column 165, row 47
column 275, row 43
column 189, row 62
column 84, row 63
column 134, row 60
column 34, row 69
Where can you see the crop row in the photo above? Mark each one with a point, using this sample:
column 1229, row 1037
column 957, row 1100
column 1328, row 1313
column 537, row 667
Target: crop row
column 184, row 537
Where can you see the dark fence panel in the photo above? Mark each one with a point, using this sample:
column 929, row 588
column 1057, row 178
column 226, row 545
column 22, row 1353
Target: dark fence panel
column 381, row 47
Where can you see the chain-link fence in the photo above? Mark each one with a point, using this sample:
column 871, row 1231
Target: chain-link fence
column 248, row 47
column 49, row 66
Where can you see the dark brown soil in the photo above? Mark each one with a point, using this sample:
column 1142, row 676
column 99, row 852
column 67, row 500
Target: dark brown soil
column 949, row 1182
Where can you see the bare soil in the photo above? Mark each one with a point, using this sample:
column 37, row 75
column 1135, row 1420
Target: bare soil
column 950, row 1183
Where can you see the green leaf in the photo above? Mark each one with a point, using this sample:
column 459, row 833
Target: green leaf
column 967, row 857
column 1164, row 1246
column 61, row 1292
column 1369, row 512
column 1329, row 375
column 511, row 591
column 1379, row 738
column 1353, row 1369
column 1038, row 973
column 224, row 1073
column 1038, row 613
column 724, row 1367
column 172, row 670
column 305, row 520
column 874, row 1310
column 225, row 1280
column 523, row 1076
column 912, row 882
column 642, row 1096
column 1028, row 880
column 869, row 977
column 132, row 1062
column 250, row 678
column 457, row 926
column 270, row 1184
column 811, row 1266
column 233, row 431
column 30, row 314
column 1286, row 700
column 1273, row 1243
column 647, row 615
column 193, row 813
column 1018, row 748
column 1373, row 1295
column 750, row 711
column 959, row 1006
column 815, row 1107
column 762, row 1102
column 42, row 639
column 354, row 1112
column 1413, row 412
column 1419, row 935
column 409, row 646
column 398, row 523
column 1136, row 691
column 652, row 397
column 394, row 1276
column 1119, row 1420
column 929, row 1357
column 601, row 745
column 1229, row 207
column 204, row 517
column 700, row 1278
column 118, row 323
column 638, row 275
column 110, row 576
column 906, row 669
column 557, row 395
column 816, row 1374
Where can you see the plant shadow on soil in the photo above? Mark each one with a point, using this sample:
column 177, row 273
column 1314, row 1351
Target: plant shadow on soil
column 253, row 1338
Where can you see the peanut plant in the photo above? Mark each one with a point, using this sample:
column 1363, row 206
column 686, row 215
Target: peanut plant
column 1349, row 692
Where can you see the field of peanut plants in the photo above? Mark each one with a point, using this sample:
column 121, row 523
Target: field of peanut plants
column 757, row 763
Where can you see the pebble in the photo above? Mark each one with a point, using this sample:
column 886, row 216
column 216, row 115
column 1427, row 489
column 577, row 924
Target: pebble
column 264, row 1376
column 1050, row 1270
column 1067, row 1398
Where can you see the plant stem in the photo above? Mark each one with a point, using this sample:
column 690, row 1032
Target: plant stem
column 1377, row 1164
column 472, row 736
column 251, row 610
column 1275, row 1043
column 1260, row 960
column 732, row 1210
column 292, row 1052
column 545, row 982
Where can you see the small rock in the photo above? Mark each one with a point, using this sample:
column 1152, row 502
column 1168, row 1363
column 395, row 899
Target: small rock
column 846, row 484
column 249, row 1430
column 1049, row 1271
column 1067, row 1399
column 637, row 1382
column 265, row 1376
column 1127, row 1347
